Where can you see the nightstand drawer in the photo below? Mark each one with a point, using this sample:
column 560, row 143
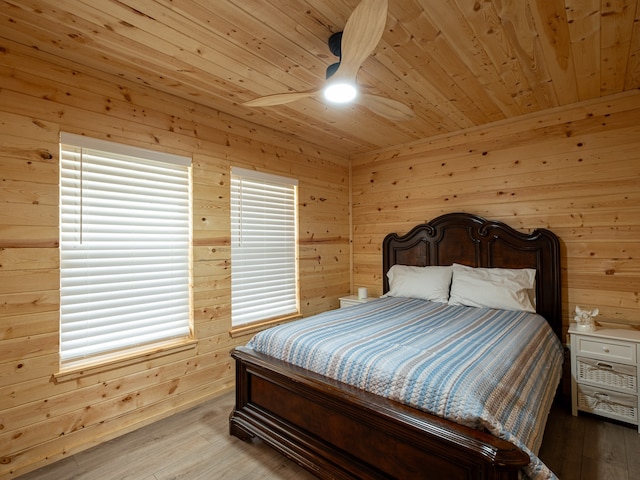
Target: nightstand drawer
column 613, row 375
column 608, row 404
column 607, row 349
column 351, row 300
column 349, row 303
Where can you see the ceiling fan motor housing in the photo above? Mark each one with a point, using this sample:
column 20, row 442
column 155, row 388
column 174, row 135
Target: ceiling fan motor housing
column 335, row 44
column 335, row 47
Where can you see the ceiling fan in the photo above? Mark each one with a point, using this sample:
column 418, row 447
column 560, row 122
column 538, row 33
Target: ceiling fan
column 360, row 37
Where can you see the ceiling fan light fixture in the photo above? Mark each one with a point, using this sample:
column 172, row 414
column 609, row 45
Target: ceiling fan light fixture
column 340, row 92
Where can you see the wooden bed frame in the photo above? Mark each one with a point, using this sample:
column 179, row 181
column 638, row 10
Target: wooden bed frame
column 337, row 431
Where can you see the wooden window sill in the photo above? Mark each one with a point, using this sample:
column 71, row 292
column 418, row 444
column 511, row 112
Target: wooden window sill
column 102, row 363
column 257, row 327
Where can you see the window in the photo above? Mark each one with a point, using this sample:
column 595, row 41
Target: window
column 124, row 247
column 264, row 280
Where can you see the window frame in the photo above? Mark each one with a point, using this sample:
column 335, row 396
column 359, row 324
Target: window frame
column 71, row 364
column 276, row 182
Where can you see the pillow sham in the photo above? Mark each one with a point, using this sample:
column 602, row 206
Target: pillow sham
column 426, row 283
column 501, row 288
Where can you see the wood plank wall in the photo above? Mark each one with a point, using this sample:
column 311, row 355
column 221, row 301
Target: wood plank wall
column 574, row 170
column 42, row 421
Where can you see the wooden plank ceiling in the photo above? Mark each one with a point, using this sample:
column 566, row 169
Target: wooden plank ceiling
column 456, row 63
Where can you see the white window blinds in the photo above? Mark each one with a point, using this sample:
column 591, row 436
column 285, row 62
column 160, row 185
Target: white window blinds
column 264, row 283
column 124, row 247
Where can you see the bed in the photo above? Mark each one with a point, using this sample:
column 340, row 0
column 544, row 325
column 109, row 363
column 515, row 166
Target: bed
column 338, row 430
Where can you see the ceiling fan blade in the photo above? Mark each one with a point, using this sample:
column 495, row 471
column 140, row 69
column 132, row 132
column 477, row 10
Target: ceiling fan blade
column 361, row 35
column 279, row 98
column 386, row 107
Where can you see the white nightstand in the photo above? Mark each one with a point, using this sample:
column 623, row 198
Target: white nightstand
column 352, row 300
column 604, row 372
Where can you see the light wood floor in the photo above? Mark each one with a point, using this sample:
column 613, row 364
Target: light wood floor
column 196, row 445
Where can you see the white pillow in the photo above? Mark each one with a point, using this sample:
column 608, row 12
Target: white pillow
column 502, row 288
column 426, row 283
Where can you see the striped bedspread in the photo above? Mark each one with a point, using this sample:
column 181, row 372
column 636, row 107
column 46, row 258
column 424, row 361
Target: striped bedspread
column 488, row 369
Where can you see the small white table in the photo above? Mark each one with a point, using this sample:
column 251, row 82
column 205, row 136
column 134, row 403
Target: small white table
column 604, row 371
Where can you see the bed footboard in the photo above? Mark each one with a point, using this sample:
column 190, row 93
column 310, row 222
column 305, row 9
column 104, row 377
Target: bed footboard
column 337, row 431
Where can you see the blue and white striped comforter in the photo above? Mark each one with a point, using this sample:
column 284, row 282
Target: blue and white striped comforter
column 488, row 369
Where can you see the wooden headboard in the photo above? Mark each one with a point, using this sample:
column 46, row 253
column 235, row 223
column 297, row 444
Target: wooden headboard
column 474, row 241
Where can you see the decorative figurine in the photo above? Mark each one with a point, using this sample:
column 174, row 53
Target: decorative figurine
column 585, row 319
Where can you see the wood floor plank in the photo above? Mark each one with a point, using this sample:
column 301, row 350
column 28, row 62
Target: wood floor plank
column 597, row 470
column 562, row 444
column 632, row 445
column 601, row 444
column 66, row 468
column 174, row 445
column 196, row 445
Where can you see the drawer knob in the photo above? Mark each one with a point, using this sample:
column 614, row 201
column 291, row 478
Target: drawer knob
column 605, row 349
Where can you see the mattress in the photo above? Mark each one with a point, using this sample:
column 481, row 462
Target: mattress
column 492, row 370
